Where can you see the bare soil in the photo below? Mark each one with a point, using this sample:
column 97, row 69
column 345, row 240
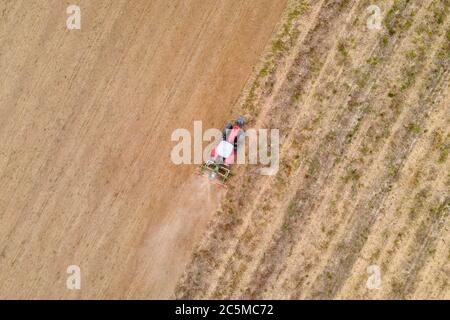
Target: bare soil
column 85, row 123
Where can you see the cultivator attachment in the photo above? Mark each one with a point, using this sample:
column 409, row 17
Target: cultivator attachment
column 215, row 172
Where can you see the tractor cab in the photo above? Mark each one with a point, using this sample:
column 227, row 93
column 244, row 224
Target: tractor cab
column 224, row 149
column 225, row 152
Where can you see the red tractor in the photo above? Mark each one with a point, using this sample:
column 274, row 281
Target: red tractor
column 224, row 154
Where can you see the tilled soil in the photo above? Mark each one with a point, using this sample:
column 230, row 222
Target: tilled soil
column 86, row 118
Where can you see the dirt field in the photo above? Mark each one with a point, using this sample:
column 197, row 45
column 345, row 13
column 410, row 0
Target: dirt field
column 85, row 123
column 86, row 178
column 364, row 181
